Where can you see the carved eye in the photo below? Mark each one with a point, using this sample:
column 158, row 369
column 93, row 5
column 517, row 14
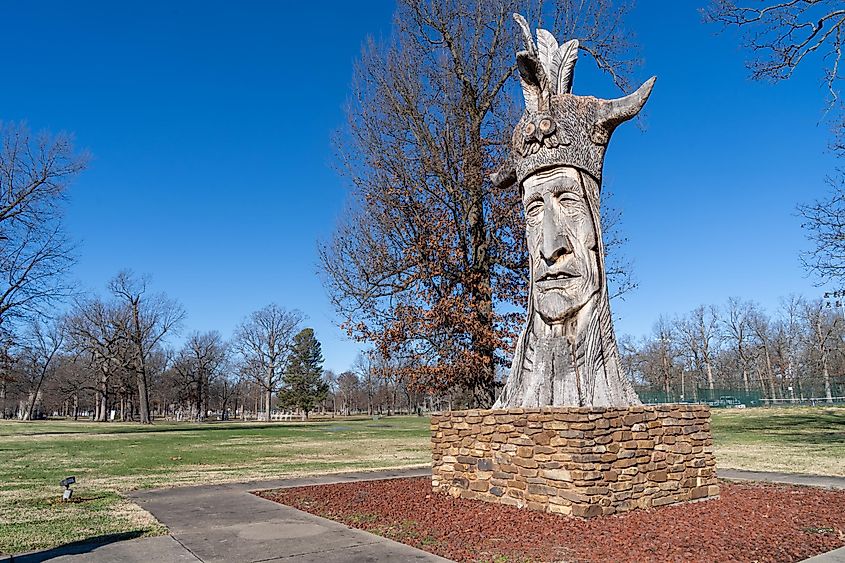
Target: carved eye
column 534, row 210
column 545, row 125
column 529, row 129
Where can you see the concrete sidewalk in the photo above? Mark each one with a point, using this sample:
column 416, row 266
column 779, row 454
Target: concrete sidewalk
column 227, row 523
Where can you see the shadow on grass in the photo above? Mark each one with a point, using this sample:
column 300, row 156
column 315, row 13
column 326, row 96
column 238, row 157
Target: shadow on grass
column 75, row 548
column 818, row 428
column 188, row 427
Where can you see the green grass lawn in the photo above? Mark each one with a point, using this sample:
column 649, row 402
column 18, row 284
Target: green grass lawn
column 110, row 459
column 789, row 439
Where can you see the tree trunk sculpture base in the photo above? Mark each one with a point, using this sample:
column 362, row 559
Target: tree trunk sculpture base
column 582, row 462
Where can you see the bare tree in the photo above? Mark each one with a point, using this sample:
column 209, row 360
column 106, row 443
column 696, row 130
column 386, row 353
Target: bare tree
column 736, row 330
column 73, row 378
column 822, row 335
column 619, row 268
column 364, row 368
column 788, row 343
column 761, row 328
column 699, row 333
column 795, row 355
column 39, row 358
column 150, row 317
column 98, row 330
column 6, row 374
column 330, row 378
column 348, row 386
column 228, row 389
column 201, row 359
column 665, row 340
column 824, row 225
column 430, row 258
column 263, row 341
column 34, row 252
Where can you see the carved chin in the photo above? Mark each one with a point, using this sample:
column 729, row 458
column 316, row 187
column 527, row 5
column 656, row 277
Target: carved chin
column 556, row 305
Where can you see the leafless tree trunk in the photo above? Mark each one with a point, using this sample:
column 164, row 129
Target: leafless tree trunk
column 6, row 377
column 736, row 331
column 98, row 330
column 151, row 318
column 664, row 334
column 199, row 362
column 789, row 342
column 760, row 327
column 823, row 326
column 699, row 332
column 44, row 342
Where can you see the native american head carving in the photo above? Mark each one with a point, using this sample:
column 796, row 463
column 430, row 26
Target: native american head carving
column 567, row 354
column 575, row 129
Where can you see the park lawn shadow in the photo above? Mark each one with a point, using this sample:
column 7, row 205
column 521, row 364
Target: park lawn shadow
column 169, row 428
column 75, row 548
column 819, row 428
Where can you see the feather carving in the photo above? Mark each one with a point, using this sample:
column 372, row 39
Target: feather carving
column 547, row 51
column 526, row 34
column 535, row 83
column 568, row 56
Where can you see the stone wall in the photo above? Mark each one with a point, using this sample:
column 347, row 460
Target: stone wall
column 580, row 461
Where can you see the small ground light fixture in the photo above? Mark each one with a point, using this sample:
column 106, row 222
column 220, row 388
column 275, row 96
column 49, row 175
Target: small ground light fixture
column 66, row 483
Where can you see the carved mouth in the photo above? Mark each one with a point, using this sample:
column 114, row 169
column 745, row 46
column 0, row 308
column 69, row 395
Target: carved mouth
column 560, row 275
column 557, row 278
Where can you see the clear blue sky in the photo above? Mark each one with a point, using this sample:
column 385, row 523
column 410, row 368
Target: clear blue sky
column 210, row 122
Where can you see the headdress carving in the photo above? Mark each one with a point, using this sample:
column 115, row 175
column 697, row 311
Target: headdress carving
column 559, row 128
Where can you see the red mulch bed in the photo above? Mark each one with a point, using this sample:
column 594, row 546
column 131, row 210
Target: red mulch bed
column 750, row 522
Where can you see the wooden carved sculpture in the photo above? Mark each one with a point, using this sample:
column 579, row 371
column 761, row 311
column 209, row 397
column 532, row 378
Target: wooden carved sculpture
column 567, row 353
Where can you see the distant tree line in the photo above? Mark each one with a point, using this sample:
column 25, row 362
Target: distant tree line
column 794, row 353
column 108, row 358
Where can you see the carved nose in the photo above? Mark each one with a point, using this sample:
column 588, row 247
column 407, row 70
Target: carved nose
column 555, row 243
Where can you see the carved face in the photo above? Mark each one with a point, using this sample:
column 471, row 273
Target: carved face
column 562, row 243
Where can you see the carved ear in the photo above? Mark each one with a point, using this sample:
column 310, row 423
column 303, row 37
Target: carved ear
column 614, row 112
column 505, row 175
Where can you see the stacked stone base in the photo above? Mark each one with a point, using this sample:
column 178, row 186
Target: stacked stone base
column 578, row 461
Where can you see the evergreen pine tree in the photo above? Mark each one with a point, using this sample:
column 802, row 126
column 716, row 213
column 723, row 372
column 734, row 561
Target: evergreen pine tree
column 304, row 387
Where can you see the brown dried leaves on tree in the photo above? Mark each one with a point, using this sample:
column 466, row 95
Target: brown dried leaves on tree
column 429, row 260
